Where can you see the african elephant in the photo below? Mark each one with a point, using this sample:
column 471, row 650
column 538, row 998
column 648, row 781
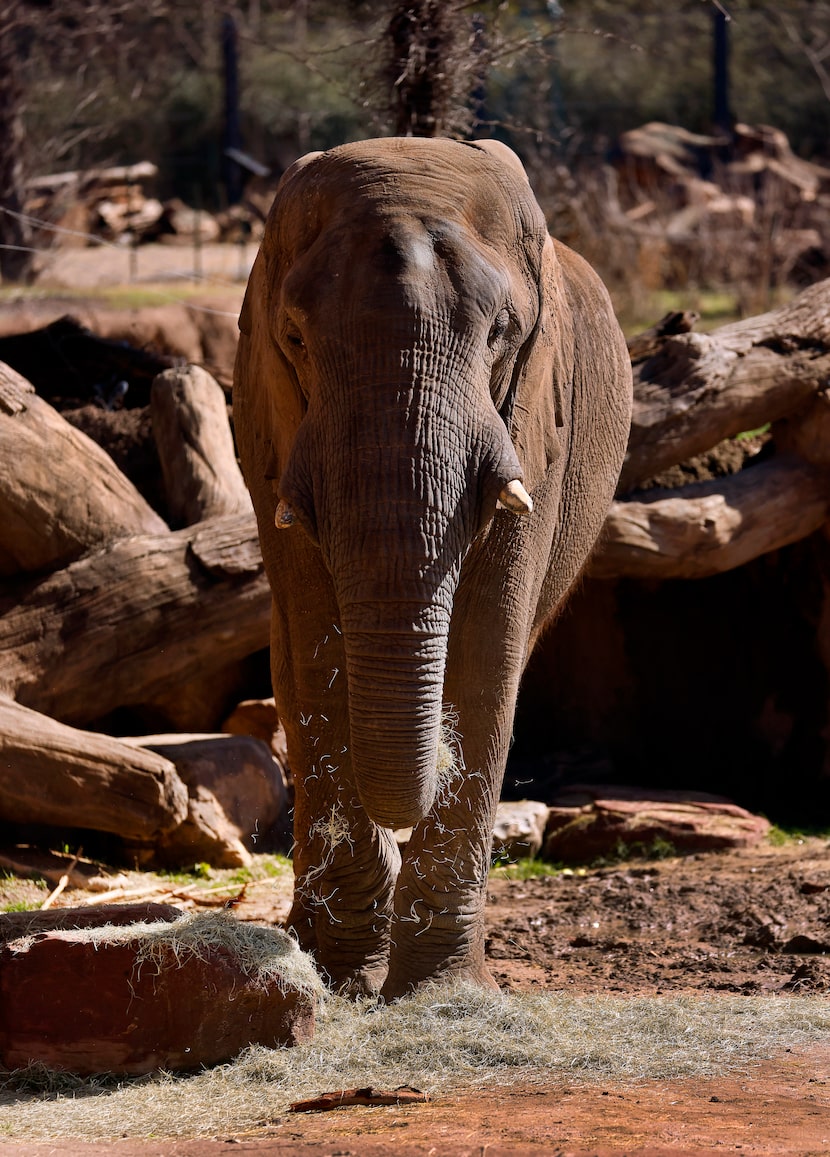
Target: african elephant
column 432, row 400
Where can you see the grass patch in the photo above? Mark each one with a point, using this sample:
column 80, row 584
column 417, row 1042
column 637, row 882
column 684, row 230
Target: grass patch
column 782, row 836
column 440, row 1040
column 21, row 906
column 748, row 435
column 715, row 308
column 125, row 296
column 530, row 869
column 264, row 867
column 658, row 849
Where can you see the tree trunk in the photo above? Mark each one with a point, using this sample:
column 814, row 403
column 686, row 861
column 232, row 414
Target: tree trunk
column 128, row 624
column 190, row 425
column 715, row 526
column 698, row 388
column 53, row 774
column 60, row 493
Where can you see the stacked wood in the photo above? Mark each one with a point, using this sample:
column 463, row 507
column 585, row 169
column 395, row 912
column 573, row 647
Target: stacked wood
column 741, row 208
column 692, row 391
column 105, row 607
column 126, row 625
column 115, row 205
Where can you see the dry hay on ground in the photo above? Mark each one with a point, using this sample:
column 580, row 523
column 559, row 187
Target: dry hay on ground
column 441, row 1040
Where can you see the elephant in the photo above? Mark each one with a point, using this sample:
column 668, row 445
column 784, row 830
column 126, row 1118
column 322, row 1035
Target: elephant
column 432, row 401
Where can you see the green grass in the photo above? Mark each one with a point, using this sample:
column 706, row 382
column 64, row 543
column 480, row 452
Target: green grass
column 529, row 869
column 20, row 906
column 658, row 849
column 122, row 296
column 715, row 308
column 264, row 867
column 621, row 853
column 781, row 836
column 745, row 435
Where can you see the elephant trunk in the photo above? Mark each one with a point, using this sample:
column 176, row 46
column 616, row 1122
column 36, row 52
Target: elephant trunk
column 395, row 681
column 394, row 488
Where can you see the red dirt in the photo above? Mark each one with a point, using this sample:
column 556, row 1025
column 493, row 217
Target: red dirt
column 782, row 1107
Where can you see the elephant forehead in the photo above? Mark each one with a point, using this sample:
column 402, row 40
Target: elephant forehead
column 419, row 260
column 364, row 183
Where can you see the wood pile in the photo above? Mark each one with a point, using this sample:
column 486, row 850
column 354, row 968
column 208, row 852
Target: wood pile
column 104, row 606
column 114, row 204
column 108, row 604
column 723, row 209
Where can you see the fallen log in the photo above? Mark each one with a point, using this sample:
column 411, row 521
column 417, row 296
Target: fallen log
column 697, row 389
column 190, row 424
column 129, row 623
column 60, row 493
column 711, row 527
column 57, row 775
column 66, row 360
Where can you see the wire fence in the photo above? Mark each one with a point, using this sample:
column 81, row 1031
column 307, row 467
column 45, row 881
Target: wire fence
column 221, row 266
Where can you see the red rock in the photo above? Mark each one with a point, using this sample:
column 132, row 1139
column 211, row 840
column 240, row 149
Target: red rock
column 132, row 1004
column 258, row 717
column 237, row 800
column 590, row 821
column 15, row 925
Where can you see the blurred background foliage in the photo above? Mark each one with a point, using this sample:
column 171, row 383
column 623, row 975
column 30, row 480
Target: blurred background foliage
column 119, row 81
column 87, row 83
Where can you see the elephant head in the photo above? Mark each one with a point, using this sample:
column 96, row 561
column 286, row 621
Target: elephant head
column 403, row 355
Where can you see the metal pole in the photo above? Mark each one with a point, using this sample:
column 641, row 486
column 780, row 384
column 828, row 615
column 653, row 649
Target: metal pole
column 723, row 114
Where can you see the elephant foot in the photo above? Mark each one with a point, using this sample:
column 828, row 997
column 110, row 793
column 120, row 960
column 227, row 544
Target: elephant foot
column 402, row 982
column 445, row 951
column 357, row 982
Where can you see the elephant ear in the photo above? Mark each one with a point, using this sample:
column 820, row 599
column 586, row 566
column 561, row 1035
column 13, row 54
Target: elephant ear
column 544, row 375
column 266, row 392
column 268, row 404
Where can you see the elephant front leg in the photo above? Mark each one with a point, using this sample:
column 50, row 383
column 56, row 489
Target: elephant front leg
column 345, row 871
column 438, row 924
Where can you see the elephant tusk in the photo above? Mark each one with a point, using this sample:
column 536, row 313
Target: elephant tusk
column 514, row 497
column 284, row 515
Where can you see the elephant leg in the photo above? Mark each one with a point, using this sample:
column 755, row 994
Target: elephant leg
column 438, row 928
column 439, row 906
column 343, row 890
column 345, row 866
column 438, row 924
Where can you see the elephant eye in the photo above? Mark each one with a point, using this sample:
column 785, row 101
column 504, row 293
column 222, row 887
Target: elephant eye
column 293, row 337
column 499, row 327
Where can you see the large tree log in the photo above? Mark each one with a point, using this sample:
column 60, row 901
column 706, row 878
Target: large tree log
column 60, row 494
column 715, row 526
column 190, row 425
column 129, row 623
column 65, row 359
column 56, row 775
column 698, row 389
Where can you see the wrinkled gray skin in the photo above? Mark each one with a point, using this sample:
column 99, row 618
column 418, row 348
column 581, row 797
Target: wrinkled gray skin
column 412, row 340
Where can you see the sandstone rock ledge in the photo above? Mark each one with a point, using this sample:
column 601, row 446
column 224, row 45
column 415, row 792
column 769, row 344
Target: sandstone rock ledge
column 168, row 994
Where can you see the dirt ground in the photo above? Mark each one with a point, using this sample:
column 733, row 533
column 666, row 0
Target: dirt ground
column 753, row 922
